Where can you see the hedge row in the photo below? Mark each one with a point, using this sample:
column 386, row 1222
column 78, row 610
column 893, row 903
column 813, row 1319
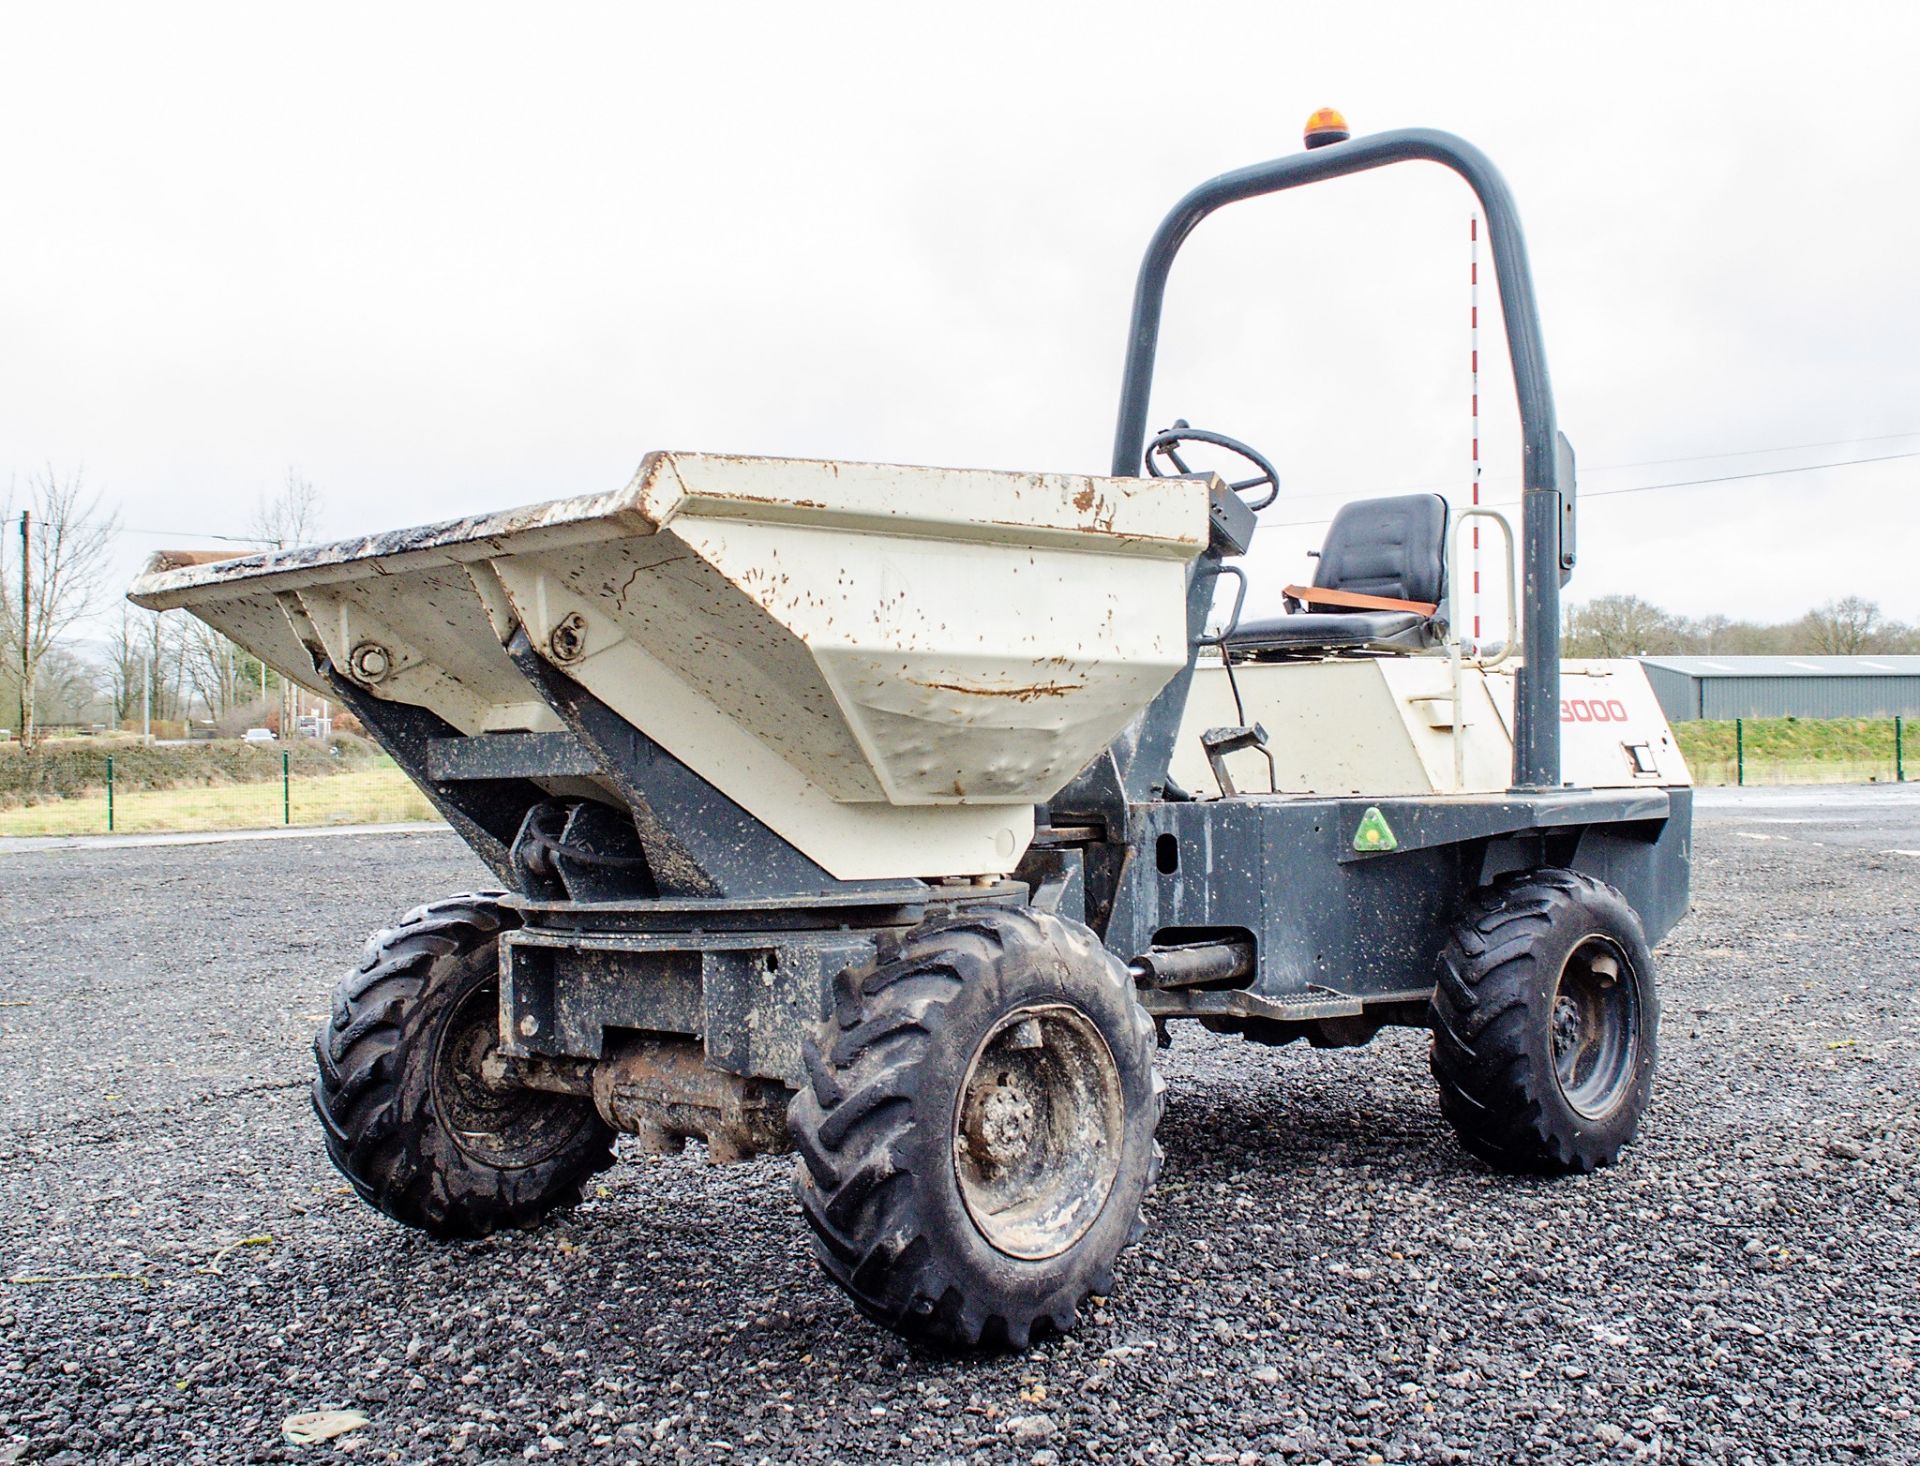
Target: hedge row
column 61, row 768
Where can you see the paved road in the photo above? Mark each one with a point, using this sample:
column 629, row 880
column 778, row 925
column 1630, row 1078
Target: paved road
column 1326, row 1277
column 29, row 844
column 1876, row 817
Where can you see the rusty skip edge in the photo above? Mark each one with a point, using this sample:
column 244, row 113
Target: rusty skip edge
column 656, row 495
column 175, row 578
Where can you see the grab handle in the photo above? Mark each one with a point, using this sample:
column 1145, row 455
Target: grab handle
column 1453, row 584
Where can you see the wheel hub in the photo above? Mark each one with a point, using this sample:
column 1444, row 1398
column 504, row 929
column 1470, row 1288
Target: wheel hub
column 1037, row 1131
column 1596, row 1028
column 492, row 1119
column 1006, row 1125
column 1566, row 1026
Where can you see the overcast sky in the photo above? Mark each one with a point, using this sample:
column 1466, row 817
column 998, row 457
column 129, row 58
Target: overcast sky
column 445, row 260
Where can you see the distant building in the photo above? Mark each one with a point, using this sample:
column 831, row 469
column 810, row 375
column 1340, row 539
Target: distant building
column 1785, row 687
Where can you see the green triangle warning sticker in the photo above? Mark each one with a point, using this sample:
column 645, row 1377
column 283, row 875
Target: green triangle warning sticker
column 1374, row 833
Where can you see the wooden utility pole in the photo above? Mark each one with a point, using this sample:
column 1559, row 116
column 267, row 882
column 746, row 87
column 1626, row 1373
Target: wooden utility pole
column 26, row 624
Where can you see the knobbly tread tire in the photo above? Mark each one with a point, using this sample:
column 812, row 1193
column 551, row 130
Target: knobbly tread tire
column 375, row 1099
column 874, row 1127
column 1490, row 1017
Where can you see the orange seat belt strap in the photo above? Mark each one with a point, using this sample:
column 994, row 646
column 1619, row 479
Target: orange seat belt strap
column 1353, row 600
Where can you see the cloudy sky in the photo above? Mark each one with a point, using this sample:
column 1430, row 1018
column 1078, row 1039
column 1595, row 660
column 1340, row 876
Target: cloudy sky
column 439, row 260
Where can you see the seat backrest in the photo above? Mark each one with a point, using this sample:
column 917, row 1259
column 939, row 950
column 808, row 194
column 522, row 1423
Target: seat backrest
column 1388, row 547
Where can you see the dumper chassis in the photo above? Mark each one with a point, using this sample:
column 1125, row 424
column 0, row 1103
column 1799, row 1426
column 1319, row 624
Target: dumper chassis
column 787, row 861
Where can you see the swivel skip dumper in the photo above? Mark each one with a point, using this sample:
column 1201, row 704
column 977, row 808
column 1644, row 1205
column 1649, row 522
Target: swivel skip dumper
column 890, row 815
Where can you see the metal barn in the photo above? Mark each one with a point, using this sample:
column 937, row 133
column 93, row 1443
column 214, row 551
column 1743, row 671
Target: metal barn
column 1785, row 687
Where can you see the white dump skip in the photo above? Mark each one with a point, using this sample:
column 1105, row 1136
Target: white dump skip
column 889, row 666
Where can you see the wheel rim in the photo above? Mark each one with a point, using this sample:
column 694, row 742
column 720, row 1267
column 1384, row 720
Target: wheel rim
column 1037, row 1131
column 506, row 1126
column 1595, row 1027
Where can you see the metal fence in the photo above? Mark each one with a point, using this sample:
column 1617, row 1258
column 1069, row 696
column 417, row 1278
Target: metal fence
column 370, row 791
column 369, row 788
column 1852, row 754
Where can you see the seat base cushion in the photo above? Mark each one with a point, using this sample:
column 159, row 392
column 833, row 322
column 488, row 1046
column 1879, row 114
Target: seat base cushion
column 1333, row 631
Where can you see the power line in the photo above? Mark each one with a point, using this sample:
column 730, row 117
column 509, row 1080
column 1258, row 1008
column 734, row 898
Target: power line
column 1656, row 463
column 1727, row 478
column 188, row 534
column 1750, row 452
column 1686, row 483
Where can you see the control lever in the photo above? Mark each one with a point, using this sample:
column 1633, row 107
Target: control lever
column 1219, row 742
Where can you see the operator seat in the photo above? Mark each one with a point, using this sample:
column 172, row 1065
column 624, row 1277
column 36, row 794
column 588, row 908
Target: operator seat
column 1382, row 580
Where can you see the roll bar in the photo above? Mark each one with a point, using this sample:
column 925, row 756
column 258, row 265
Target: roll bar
column 1547, row 539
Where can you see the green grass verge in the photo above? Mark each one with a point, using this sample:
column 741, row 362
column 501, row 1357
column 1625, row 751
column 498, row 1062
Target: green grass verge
column 1794, row 750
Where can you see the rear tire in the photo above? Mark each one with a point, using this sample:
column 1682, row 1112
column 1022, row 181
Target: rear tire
column 976, row 1136
column 1545, row 1024
column 411, row 1117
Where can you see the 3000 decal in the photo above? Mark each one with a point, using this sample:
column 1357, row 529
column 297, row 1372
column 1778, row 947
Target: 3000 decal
column 1593, row 710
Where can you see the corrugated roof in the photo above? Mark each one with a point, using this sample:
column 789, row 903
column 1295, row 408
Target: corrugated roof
column 1862, row 666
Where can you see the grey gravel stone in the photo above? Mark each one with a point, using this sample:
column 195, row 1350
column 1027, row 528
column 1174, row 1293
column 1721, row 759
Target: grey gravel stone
column 1316, row 1222
column 1031, row 1427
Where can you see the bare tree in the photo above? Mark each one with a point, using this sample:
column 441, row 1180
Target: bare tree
column 1621, row 626
column 1845, row 627
column 68, row 687
column 1745, row 638
column 1617, row 626
column 148, row 665
column 9, row 614
column 215, row 670
column 127, row 660
column 291, row 517
column 65, row 565
column 173, row 682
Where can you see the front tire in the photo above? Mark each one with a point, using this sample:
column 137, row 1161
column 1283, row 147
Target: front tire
column 413, row 1116
column 1545, row 1024
column 976, row 1136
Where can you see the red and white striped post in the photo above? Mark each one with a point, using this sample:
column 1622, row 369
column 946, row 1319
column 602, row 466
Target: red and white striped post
column 1473, row 234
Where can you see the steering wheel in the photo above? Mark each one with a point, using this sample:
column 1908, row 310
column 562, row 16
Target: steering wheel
column 1166, row 445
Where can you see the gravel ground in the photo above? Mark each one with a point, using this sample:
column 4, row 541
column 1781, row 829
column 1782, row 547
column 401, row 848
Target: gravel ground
column 1327, row 1277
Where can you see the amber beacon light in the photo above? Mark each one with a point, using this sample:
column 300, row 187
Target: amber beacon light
column 1327, row 126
